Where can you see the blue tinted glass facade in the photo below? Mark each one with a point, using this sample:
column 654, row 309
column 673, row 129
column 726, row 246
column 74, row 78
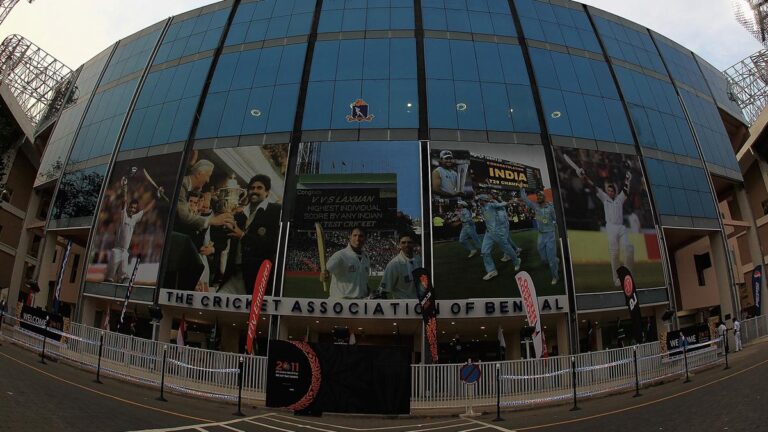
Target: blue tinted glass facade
column 253, row 92
column 656, row 113
column 166, row 105
column 361, row 15
column 682, row 65
column 478, row 85
column 579, row 98
column 713, row 138
column 101, row 126
column 478, row 16
column 546, row 22
column 261, row 20
column 629, row 44
column 718, row 85
column 130, row 56
column 380, row 72
column 680, row 190
column 192, row 35
column 60, row 143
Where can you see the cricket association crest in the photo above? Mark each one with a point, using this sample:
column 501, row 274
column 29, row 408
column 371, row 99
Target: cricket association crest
column 359, row 112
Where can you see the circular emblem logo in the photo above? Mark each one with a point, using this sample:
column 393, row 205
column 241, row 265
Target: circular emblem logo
column 628, row 286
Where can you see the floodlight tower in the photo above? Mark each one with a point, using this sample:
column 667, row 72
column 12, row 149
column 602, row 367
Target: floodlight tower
column 6, row 6
column 753, row 16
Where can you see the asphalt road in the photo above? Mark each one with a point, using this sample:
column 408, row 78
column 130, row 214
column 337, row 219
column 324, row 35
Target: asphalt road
column 58, row 397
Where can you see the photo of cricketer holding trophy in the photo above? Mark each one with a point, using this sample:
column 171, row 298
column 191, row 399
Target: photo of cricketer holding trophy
column 131, row 221
column 227, row 219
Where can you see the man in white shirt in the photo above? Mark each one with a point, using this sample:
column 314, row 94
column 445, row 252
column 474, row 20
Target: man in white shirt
column 737, row 334
column 117, row 267
column 618, row 236
column 349, row 268
column 722, row 333
column 398, row 282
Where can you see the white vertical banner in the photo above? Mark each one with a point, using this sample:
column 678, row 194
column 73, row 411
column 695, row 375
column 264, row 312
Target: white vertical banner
column 531, row 304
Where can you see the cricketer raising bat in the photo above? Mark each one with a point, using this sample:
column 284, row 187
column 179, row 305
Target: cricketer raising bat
column 321, row 251
column 579, row 171
column 162, row 194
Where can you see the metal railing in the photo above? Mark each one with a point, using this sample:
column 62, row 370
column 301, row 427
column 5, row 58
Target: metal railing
column 210, row 374
column 214, row 374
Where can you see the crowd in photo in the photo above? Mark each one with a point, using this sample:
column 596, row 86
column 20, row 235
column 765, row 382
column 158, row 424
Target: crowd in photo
column 580, row 201
column 302, row 255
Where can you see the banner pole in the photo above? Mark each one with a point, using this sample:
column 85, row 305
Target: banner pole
column 685, row 358
column 498, row 393
column 239, row 412
column 45, row 336
column 573, row 368
column 162, row 376
column 637, row 374
column 98, row 363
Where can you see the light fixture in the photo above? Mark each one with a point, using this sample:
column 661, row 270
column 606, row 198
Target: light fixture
column 255, row 112
column 233, row 324
column 359, row 328
column 200, row 313
column 317, row 321
column 409, row 105
column 453, row 322
column 555, row 114
column 461, row 106
column 482, row 327
column 511, row 110
column 394, row 323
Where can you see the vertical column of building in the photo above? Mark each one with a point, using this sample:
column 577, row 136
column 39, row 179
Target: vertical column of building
column 729, row 299
column 662, row 242
column 573, row 328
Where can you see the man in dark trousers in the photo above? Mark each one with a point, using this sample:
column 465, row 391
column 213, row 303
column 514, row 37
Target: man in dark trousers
column 254, row 237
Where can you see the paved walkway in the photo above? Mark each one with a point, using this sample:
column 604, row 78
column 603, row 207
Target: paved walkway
column 58, row 397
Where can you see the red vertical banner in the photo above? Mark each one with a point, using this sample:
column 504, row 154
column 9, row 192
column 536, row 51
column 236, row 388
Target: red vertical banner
column 259, row 288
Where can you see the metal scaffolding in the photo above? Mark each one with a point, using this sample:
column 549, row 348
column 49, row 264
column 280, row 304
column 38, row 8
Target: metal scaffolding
column 32, row 75
column 748, row 84
column 753, row 16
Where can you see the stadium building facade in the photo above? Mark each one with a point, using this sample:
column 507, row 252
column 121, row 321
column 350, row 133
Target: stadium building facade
column 543, row 136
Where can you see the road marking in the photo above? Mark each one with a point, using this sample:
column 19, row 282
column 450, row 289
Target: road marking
column 177, row 414
column 269, row 426
column 498, row 428
column 473, row 429
column 371, row 429
column 430, row 428
column 300, row 425
column 222, row 424
column 228, row 427
column 672, row 396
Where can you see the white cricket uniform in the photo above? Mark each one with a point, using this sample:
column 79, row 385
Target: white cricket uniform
column 398, row 277
column 737, row 334
column 349, row 274
column 118, row 264
column 614, row 219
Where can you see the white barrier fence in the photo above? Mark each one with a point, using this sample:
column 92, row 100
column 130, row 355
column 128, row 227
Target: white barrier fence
column 214, row 374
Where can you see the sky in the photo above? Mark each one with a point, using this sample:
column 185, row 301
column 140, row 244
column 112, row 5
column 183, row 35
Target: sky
column 73, row 31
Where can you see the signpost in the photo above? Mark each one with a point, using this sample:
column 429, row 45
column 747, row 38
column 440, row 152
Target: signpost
column 470, row 373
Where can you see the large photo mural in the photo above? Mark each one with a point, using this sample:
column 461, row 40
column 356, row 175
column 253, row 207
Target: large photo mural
column 609, row 219
column 492, row 216
column 227, row 219
column 355, row 230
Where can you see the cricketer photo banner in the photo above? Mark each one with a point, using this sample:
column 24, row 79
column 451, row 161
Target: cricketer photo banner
column 492, row 216
column 355, row 229
column 227, row 219
column 609, row 220
column 132, row 219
